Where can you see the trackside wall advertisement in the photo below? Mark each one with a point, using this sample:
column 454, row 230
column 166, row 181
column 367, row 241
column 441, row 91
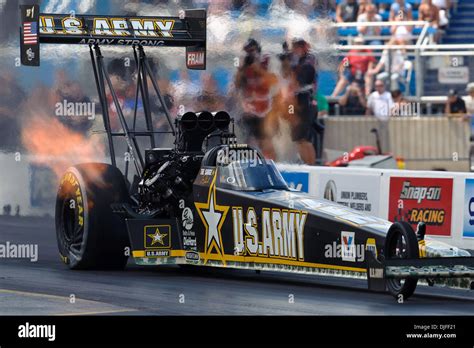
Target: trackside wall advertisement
column 427, row 200
column 359, row 192
column 297, row 180
column 468, row 211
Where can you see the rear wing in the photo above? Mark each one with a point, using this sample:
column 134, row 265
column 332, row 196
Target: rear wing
column 188, row 30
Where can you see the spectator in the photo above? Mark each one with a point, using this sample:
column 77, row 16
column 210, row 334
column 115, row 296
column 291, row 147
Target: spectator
column 353, row 101
column 401, row 32
column 429, row 12
column 354, row 68
column 455, row 105
column 379, row 104
column 401, row 106
column 322, row 106
column 370, row 15
column 401, row 10
column 304, row 65
column 363, row 6
column 255, row 84
column 347, row 11
column 469, row 100
column 444, row 6
column 392, row 60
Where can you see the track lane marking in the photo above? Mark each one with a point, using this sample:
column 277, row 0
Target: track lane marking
column 96, row 312
column 58, row 297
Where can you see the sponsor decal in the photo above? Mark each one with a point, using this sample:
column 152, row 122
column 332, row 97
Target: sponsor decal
column 371, row 246
column 280, row 234
column 297, row 180
column 137, row 27
column 195, row 59
column 330, row 191
column 358, row 192
column 187, row 218
column 205, row 176
column 207, row 171
column 427, row 200
column 30, row 55
column 213, row 217
column 468, row 211
column 28, row 330
column 157, row 240
column 348, row 246
column 192, row 256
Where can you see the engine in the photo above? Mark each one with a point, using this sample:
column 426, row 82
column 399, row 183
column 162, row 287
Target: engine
column 167, row 180
column 169, row 173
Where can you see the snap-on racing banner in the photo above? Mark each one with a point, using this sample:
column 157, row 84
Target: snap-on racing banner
column 427, row 200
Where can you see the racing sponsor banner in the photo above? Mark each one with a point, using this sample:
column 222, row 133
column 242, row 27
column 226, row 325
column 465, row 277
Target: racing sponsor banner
column 297, row 180
column 359, row 192
column 427, row 200
column 468, row 209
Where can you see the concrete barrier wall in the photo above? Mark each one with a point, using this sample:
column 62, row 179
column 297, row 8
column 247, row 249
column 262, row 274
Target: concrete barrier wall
column 440, row 199
column 426, row 143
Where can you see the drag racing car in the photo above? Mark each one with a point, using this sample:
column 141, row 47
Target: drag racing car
column 208, row 200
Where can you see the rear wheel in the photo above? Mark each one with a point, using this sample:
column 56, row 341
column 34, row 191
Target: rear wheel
column 401, row 242
column 89, row 234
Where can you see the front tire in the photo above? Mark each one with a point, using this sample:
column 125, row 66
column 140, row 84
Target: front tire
column 89, row 234
column 401, row 242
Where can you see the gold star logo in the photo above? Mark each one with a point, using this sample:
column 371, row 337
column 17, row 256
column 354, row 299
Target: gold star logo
column 213, row 217
column 158, row 238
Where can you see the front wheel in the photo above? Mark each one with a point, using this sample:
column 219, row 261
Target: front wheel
column 401, row 242
column 89, row 234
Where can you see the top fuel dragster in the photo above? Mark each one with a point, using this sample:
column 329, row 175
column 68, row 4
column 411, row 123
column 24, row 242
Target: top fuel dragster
column 209, row 201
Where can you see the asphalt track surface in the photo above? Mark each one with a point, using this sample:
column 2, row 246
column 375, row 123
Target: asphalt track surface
column 47, row 287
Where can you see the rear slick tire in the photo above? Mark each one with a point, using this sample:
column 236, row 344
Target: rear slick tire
column 89, row 234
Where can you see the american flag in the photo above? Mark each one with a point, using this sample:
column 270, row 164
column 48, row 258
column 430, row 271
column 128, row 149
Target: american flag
column 30, row 33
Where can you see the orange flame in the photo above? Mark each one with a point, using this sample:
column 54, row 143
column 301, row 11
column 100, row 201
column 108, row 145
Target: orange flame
column 56, row 146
